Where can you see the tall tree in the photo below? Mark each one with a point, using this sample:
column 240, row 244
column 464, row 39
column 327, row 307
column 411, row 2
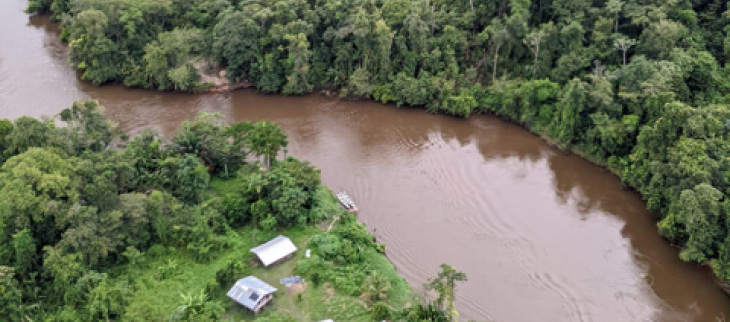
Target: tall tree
column 266, row 140
column 445, row 286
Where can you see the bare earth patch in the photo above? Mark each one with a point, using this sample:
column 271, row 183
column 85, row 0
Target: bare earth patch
column 215, row 76
column 296, row 288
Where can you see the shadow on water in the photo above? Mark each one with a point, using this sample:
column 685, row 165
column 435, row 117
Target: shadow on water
column 682, row 286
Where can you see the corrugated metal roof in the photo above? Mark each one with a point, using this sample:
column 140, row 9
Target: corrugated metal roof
column 274, row 250
column 249, row 290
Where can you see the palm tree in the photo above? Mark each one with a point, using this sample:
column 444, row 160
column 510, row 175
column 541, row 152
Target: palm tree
column 375, row 288
column 198, row 307
column 445, row 284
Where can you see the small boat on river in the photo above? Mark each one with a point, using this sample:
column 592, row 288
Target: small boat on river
column 346, row 201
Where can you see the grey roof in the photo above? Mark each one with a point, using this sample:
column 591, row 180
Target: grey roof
column 249, row 291
column 274, row 250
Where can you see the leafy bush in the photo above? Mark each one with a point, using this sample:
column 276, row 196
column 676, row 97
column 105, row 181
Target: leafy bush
column 167, row 269
column 380, row 311
column 236, row 268
column 199, row 308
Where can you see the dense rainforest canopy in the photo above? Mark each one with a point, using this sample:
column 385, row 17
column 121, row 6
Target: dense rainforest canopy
column 641, row 86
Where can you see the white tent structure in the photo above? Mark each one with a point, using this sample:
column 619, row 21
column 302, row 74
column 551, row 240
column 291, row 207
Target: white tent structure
column 274, row 250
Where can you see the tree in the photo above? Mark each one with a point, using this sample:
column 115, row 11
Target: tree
column 265, row 140
column 27, row 133
column 696, row 218
column 298, row 61
column 198, row 307
column 6, row 128
column 187, row 177
column 91, row 50
column 11, row 296
column 37, row 186
column 65, row 270
column 107, row 300
column 499, row 35
column 623, row 45
column 375, row 288
column 168, row 61
column 26, row 252
column 236, row 45
column 87, row 128
column 211, row 139
column 661, row 37
column 444, row 284
column 146, row 153
column 615, row 7
column 534, row 41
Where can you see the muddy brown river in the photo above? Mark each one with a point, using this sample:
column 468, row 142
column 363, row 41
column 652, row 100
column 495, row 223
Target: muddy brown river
column 541, row 235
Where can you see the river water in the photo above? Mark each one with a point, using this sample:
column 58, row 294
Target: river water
column 541, row 235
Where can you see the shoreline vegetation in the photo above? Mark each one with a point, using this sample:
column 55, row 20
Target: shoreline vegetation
column 95, row 226
column 640, row 87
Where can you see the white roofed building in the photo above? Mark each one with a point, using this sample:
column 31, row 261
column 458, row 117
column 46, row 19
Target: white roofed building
column 275, row 250
column 252, row 293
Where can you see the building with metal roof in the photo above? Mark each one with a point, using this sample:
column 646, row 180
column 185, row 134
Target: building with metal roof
column 275, row 250
column 252, row 293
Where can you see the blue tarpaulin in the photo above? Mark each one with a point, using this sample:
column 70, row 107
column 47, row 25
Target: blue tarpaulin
column 291, row 280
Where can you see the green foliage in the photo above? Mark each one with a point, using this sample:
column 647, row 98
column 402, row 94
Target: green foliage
column 27, row 133
column 640, row 86
column 346, row 244
column 11, row 296
column 213, row 141
column 445, row 285
column 375, row 288
column 91, row 50
column 345, row 257
column 198, row 307
column 167, row 61
column 284, row 196
column 107, row 301
column 167, row 269
column 380, row 311
column 265, row 140
column 80, row 208
column 236, row 268
column 424, row 312
column 86, row 127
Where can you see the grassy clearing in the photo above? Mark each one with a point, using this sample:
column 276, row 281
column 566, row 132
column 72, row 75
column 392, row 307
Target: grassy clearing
column 156, row 298
column 221, row 187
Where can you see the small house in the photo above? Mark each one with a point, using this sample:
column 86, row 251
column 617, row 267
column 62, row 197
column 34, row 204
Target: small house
column 252, row 293
column 275, row 250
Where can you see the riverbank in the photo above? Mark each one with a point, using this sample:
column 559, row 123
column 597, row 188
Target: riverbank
column 159, row 298
column 582, row 152
column 138, row 233
column 156, row 297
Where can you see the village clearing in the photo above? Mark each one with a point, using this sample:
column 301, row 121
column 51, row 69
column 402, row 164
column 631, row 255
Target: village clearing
column 304, row 302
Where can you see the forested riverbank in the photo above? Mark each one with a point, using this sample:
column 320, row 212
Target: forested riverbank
column 97, row 226
column 638, row 86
